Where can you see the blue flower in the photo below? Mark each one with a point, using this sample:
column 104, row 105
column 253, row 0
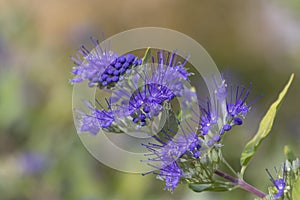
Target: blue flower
column 115, row 71
column 169, row 148
column 173, row 65
column 209, row 121
column 147, row 102
column 194, row 144
column 93, row 63
column 98, row 119
column 279, row 183
column 164, row 155
column 212, row 124
column 143, row 93
column 33, row 163
column 170, row 72
column 101, row 67
column 237, row 108
column 209, row 117
column 180, row 145
column 171, row 174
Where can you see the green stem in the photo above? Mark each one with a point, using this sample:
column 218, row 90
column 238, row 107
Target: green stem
column 242, row 184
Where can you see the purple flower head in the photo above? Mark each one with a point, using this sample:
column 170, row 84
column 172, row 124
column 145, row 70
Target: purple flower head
column 169, row 147
column 33, row 163
column 180, row 145
column 278, row 183
column 92, row 64
column 173, row 65
column 171, row 72
column 194, row 145
column 115, row 71
column 98, row 119
column 171, row 174
column 147, row 102
column 209, row 117
column 101, row 67
column 219, row 114
column 164, row 154
column 237, row 107
column 143, row 94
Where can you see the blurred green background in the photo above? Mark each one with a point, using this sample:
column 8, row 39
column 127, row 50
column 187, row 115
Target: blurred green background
column 41, row 156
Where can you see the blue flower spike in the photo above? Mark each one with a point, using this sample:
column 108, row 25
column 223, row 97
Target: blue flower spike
column 100, row 66
column 212, row 125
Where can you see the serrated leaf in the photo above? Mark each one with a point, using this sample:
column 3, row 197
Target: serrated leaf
column 265, row 127
column 296, row 189
column 213, row 187
column 289, row 154
column 146, row 56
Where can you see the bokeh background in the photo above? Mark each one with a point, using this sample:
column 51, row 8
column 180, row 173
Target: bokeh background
column 41, row 156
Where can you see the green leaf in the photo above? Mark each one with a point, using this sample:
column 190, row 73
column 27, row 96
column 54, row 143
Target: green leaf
column 264, row 129
column 146, row 56
column 296, row 189
column 289, row 154
column 213, row 187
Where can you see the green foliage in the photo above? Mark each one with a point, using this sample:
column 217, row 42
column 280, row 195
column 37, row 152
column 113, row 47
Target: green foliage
column 296, row 189
column 11, row 104
column 201, row 171
column 263, row 130
column 203, row 178
column 147, row 55
column 216, row 186
column 289, row 154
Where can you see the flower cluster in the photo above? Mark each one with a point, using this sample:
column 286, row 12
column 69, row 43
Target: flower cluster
column 199, row 141
column 101, row 67
column 165, row 154
column 146, row 90
column 147, row 102
column 187, row 148
column 153, row 95
column 285, row 179
column 212, row 124
column 140, row 91
column 115, row 71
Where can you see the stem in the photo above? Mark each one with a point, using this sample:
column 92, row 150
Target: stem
column 242, row 184
column 229, row 166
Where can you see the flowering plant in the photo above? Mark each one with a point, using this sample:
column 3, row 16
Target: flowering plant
column 187, row 147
